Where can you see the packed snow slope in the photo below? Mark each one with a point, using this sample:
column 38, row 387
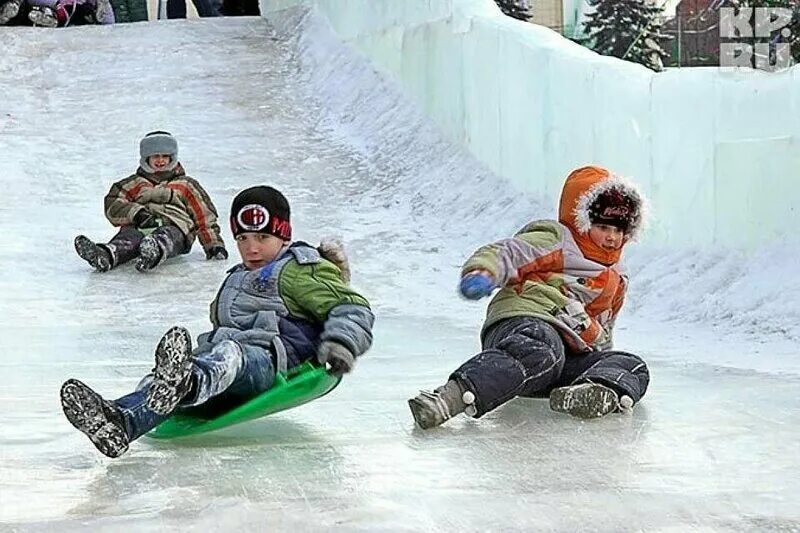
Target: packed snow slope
column 712, row 447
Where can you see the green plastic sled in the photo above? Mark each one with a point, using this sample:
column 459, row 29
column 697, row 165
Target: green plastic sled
column 298, row 386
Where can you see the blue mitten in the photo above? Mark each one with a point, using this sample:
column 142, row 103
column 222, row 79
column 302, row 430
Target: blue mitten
column 475, row 286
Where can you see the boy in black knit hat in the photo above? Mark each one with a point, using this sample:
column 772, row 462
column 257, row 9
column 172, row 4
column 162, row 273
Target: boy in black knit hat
column 159, row 210
column 286, row 303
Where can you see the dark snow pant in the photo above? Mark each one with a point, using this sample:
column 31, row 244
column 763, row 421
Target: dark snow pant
column 223, row 377
column 525, row 356
column 241, row 8
column 124, row 246
column 176, row 9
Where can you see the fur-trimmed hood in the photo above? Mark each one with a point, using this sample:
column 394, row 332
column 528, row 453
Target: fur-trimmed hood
column 581, row 189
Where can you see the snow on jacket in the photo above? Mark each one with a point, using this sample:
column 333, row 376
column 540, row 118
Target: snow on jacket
column 172, row 196
column 552, row 270
column 289, row 306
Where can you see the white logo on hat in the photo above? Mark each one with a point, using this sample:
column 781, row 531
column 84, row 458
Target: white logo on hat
column 253, row 217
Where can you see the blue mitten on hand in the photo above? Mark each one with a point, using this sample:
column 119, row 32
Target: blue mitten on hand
column 475, row 286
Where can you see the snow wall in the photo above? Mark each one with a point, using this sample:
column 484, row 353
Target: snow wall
column 532, row 105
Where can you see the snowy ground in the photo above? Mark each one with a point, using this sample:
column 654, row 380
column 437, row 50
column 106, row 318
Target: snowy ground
column 712, row 448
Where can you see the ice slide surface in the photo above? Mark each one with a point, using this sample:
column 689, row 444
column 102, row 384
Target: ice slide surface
column 712, row 448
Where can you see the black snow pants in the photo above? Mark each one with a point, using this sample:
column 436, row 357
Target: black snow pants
column 124, row 246
column 525, row 356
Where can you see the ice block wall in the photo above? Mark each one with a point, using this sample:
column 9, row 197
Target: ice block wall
column 717, row 150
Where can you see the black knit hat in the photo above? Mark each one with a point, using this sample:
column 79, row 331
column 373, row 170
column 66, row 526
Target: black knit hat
column 261, row 210
column 613, row 208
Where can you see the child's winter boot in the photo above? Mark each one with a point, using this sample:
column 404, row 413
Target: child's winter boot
column 173, row 371
column 588, row 400
column 151, row 254
column 97, row 255
column 97, row 418
column 8, row 11
column 431, row 409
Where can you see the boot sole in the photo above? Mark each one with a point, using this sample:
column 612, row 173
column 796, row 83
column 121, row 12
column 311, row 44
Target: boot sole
column 88, row 251
column 84, row 409
column 149, row 252
column 173, row 368
column 587, row 402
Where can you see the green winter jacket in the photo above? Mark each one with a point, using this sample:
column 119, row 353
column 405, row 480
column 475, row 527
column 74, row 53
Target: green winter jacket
column 542, row 272
column 289, row 306
column 311, row 291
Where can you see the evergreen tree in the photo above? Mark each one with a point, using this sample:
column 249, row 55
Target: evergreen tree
column 518, row 9
column 628, row 29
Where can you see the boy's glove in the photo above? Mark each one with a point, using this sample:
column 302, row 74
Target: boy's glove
column 475, row 285
column 217, row 252
column 339, row 358
column 145, row 219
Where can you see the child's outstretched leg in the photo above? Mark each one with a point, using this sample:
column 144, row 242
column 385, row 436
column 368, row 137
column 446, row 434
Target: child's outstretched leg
column 521, row 356
column 112, row 426
column 230, row 370
column 173, row 371
column 165, row 242
column 97, row 418
column 600, row 383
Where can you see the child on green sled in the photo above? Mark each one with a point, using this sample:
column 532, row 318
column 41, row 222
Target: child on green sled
column 285, row 304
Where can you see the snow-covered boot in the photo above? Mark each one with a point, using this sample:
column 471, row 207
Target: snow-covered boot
column 151, row 254
column 431, row 409
column 43, row 16
column 97, row 255
column 95, row 417
column 586, row 400
column 8, row 11
column 173, row 371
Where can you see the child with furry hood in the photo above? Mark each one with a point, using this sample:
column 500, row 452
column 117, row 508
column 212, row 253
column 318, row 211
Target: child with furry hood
column 548, row 330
